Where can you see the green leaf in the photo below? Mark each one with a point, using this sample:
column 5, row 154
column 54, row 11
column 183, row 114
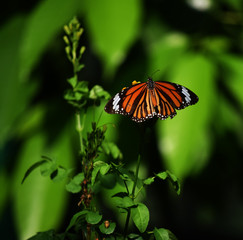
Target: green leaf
column 44, row 23
column 75, row 218
column 162, row 175
column 163, row 234
column 183, row 137
column 40, row 203
column 32, row 168
column 97, row 92
column 14, row 94
column 113, row 27
column 74, row 186
column 172, row 178
column 164, row 49
column 140, row 216
column 107, row 230
column 134, row 236
column 97, row 167
column 82, row 87
column 104, row 169
column 61, row 174
column 148, row 181
column 112, row 148
column 125, row 202
column 73, row 81
column 48, row 168
column 78, row 96
column 93, row 217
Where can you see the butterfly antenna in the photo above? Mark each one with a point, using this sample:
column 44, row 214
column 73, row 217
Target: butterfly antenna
column 100, row 117
column 155, row 72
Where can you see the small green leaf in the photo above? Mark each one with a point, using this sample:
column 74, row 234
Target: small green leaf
column 48, row 168
column 78, row 96
column 97, row 167
column 97, row 92
column 73, row 81
column 162, row 175
column 134, row 236
column 61, row 174
column 148, row 181
column 74, row 186
column 80, row 67
column 32, row 168
column 75, row 218
column 140, row 216
column 111, row 148
column 82, row 87
column 125, row 202
column 163, row 234
column 107, row 230
column 78, row 178
column 69, row 95
column 172, row 178
column 93, row 217
column 104, row 169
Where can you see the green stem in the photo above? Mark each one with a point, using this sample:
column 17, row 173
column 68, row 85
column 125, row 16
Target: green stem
column 133, row 195
column 136, row 177
column 79, row 129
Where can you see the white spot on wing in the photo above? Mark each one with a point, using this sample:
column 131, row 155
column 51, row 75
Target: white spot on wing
column 186, row 94
column 116, row 101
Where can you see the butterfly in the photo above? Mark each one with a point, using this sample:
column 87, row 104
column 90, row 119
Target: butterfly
column 143, row 101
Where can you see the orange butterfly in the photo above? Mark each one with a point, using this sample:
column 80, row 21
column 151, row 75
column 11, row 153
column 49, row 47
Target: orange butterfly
column 143, row 101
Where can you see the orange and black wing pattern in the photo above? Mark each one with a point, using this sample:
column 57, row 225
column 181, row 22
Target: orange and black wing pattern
column 143, row 101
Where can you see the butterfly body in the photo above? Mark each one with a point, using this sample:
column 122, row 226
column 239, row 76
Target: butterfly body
column 143, row 101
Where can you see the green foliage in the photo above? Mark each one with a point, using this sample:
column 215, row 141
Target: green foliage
column 74, row 185
column 47, row 194
column 113, row 29
column 140, row 216
column 163, row 234
column 79, row 96
column 79, row 215
column 189, row 136
column 172, row 178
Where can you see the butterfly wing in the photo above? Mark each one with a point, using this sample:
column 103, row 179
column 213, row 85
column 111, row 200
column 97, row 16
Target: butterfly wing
column 170, row 96
column 127, row 100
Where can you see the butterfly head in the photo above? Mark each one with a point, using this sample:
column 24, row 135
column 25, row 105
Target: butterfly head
column 150, row 83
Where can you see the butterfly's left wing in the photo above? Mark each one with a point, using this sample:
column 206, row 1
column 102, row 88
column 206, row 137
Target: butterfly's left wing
column 170, row 96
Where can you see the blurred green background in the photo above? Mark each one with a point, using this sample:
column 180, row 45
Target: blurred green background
column 196, row 43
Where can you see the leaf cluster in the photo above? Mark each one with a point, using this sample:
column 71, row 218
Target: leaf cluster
column 81, row 97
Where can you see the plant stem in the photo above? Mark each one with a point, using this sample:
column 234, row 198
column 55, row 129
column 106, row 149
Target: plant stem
column 79, row 129
column 142, row 133
column 136, row 177
column 133, row 194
